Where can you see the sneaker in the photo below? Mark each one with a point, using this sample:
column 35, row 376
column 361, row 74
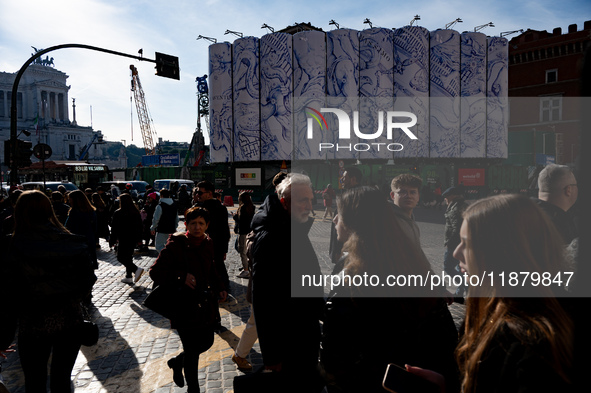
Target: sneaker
column 244, row 274
column 242, row 363
column 127, row 280
column 138, row 274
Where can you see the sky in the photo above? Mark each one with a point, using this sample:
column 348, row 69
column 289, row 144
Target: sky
column 100, row 82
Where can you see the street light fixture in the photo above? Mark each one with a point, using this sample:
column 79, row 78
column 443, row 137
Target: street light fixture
column 266, row 26
column 332, row 22
column 200, row 37
column 417, row 17
column 489, row 24
column 450, row 24
column 504, row 33
column 236, row 33
column 368, row 22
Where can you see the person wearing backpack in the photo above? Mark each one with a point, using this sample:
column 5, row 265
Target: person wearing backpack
column 165, row 219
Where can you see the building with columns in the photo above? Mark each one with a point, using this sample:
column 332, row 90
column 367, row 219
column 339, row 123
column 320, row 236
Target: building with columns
column 42, row 110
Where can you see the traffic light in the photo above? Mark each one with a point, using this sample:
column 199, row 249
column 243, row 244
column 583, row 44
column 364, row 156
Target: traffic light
column 23, row 153
column 167, row 66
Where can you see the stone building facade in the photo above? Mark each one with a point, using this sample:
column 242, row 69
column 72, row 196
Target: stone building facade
column 42, row 110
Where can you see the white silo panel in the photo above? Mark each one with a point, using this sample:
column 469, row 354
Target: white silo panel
column 276, row 96
column 246, row 89
column 220, row 102
column 376, row 89
column 444, row 87
column 497, row 98
column 411, row 87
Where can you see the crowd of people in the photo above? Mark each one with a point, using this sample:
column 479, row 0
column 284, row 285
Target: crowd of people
column 512, row 340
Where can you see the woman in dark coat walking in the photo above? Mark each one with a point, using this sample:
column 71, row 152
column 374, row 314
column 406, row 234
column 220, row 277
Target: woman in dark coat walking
column 102, row 218
column 418, row 329
column 126, row 232
column 47, row 272
column 186, row 262
column 82, row 221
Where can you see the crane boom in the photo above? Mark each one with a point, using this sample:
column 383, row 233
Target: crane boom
column 146, row 125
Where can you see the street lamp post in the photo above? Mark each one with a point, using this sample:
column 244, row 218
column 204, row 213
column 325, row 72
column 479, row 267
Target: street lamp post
column 164, row 64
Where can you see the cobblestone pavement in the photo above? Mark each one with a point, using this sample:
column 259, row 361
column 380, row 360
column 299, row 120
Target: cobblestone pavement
column 135, row 343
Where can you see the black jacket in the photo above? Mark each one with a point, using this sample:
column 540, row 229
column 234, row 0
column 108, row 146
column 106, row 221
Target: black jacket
column 181, row 256
column 126, row 228
column 47, row 273
column 563, row 221
column 510, row 365
column 288, row 327
column 418, row 331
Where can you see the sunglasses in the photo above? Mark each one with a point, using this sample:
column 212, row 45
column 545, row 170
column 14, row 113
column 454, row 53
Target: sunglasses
column 202, row 192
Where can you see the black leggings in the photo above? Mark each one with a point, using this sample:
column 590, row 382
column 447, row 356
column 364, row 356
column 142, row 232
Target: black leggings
column 196, row 340
column 34, row 352
column 125, row 256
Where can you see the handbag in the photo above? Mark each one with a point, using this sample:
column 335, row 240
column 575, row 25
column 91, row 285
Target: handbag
column 165, row 300
column 89, row 333
column 181, row 303
column 88, row 330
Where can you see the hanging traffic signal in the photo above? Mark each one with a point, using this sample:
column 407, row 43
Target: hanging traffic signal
column 23, row 153
column 167, row 66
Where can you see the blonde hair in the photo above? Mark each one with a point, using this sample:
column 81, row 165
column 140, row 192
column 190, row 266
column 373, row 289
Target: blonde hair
column 509, row 233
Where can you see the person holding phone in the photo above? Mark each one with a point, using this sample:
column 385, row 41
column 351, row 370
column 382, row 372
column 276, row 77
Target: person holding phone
column 413, row 328
column 517, row 338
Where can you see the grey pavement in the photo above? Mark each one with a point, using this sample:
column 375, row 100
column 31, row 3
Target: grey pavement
column 135, row 343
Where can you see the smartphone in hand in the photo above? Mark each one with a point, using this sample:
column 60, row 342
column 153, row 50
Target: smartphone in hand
column 398, row 380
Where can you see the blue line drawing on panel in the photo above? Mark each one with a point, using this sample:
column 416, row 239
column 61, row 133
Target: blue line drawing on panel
column 497, row 101
column 411, row 86
column 309, row 74
column 276, row 97
column 342, row 84
column 246, row 76
column 376, row 88
column 473, row 93
column 220, row 102
column 445, row 92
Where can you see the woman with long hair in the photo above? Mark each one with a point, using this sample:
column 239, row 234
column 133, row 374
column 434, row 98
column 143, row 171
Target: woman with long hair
column 82, row 220
column 126, row 232
column 243, row 218
column 418, row 327
column 47, row 272
column 186, row 263
column 518, row 332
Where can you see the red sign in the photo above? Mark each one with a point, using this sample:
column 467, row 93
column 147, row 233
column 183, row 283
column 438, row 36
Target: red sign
column 471, row 177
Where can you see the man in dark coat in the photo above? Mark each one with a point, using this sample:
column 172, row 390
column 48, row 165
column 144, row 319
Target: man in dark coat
column 558, row 192
column 218, row 229
column 287, row 323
